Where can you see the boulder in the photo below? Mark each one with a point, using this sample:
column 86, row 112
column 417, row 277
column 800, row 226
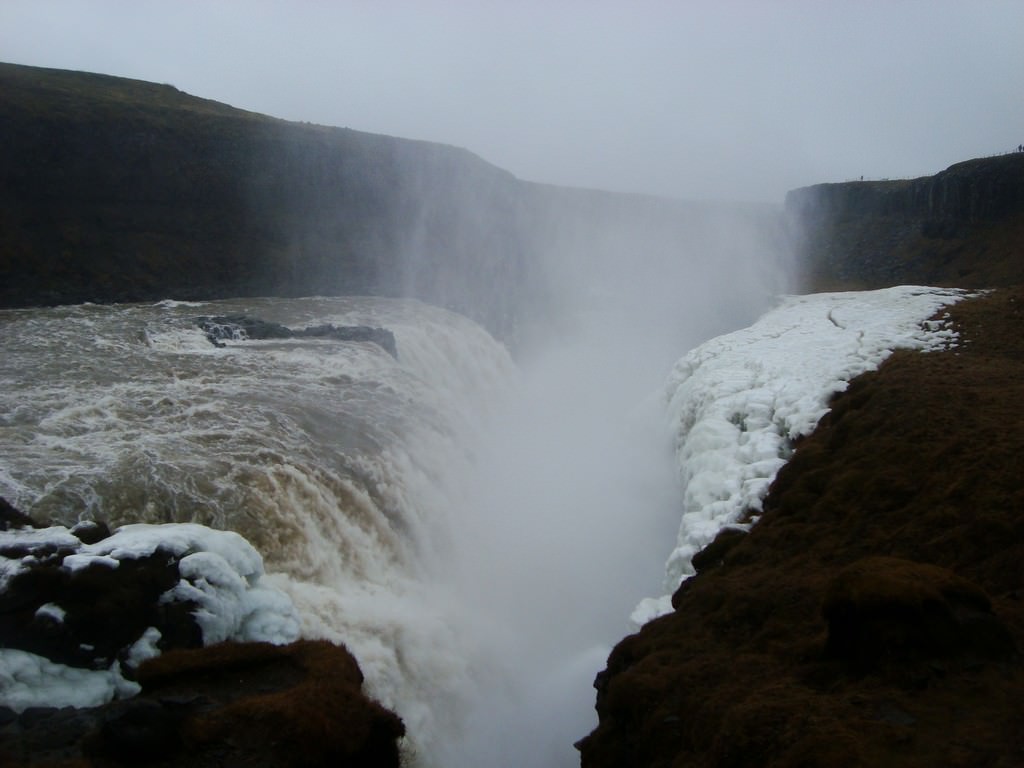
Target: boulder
column 13, row 518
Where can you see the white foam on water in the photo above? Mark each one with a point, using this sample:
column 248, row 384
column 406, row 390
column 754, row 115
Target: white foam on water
column 337, row 461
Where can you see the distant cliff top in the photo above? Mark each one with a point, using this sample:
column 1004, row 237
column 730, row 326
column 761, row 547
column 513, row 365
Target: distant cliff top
column 961, row 227
column 971, row 190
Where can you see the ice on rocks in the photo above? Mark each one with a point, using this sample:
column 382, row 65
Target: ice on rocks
column 737, row 402
column 51, row 611
column 221, row 573
column 28, row 680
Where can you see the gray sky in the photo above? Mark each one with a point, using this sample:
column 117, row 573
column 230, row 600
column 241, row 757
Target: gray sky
column 706, row 100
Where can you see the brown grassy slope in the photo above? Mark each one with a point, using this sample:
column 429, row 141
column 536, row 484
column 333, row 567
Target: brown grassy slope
column 986, row 255
column 922, row 460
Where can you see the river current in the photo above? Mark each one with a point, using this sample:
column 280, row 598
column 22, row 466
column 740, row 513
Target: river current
column 469, row 528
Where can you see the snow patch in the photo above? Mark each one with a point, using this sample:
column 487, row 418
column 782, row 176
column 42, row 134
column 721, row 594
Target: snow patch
column 144, row 648
column 51, row 611
column 28, row 680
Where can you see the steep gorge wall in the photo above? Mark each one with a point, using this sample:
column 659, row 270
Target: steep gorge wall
column 963, row 226
column 121, row 190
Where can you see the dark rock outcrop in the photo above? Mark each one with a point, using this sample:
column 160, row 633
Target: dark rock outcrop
column 90, row 617
column 961, row 227
column 239, row 327
column 14, row 518
column 248, row 704
column 252, row 704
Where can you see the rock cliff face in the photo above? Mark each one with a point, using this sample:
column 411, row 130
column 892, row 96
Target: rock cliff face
column 961, row 227
column 122, row 190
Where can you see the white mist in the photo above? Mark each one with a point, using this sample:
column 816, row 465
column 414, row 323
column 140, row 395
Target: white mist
column 574, row 504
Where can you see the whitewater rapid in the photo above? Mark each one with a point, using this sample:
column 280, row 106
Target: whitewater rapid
column 338, row 462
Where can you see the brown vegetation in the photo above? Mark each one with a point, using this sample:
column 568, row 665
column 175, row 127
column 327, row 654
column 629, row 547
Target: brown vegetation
column 901, row 519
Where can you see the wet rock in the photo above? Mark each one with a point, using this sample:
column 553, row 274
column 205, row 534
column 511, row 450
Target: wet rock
column 88, row 617
column 233, row 704
column 91, row 531
column 221, row 328
column 13, row 518
column 142, row 731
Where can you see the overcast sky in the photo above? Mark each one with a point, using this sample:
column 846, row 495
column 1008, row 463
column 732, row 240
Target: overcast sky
column 697, row 100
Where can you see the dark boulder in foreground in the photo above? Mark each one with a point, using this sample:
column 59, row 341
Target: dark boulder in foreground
column 219, row 329
column 872, row 616
column 14, row 518
column 234, row 704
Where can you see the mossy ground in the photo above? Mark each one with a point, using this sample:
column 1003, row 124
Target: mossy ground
column 920, row 460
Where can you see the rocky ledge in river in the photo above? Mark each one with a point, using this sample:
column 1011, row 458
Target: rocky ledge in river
column 221, row 328
column 85, row 614
column 874, row 616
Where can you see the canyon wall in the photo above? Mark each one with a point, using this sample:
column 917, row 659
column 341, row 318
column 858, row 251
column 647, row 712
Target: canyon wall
column 960, row 227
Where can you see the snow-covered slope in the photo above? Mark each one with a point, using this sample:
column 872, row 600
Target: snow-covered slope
column 737, row 402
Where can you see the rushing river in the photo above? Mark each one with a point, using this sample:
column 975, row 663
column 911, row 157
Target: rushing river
column 470, row 529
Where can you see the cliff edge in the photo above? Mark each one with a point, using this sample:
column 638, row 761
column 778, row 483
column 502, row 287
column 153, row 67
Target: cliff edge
column 961, row 227
column 873, row 617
